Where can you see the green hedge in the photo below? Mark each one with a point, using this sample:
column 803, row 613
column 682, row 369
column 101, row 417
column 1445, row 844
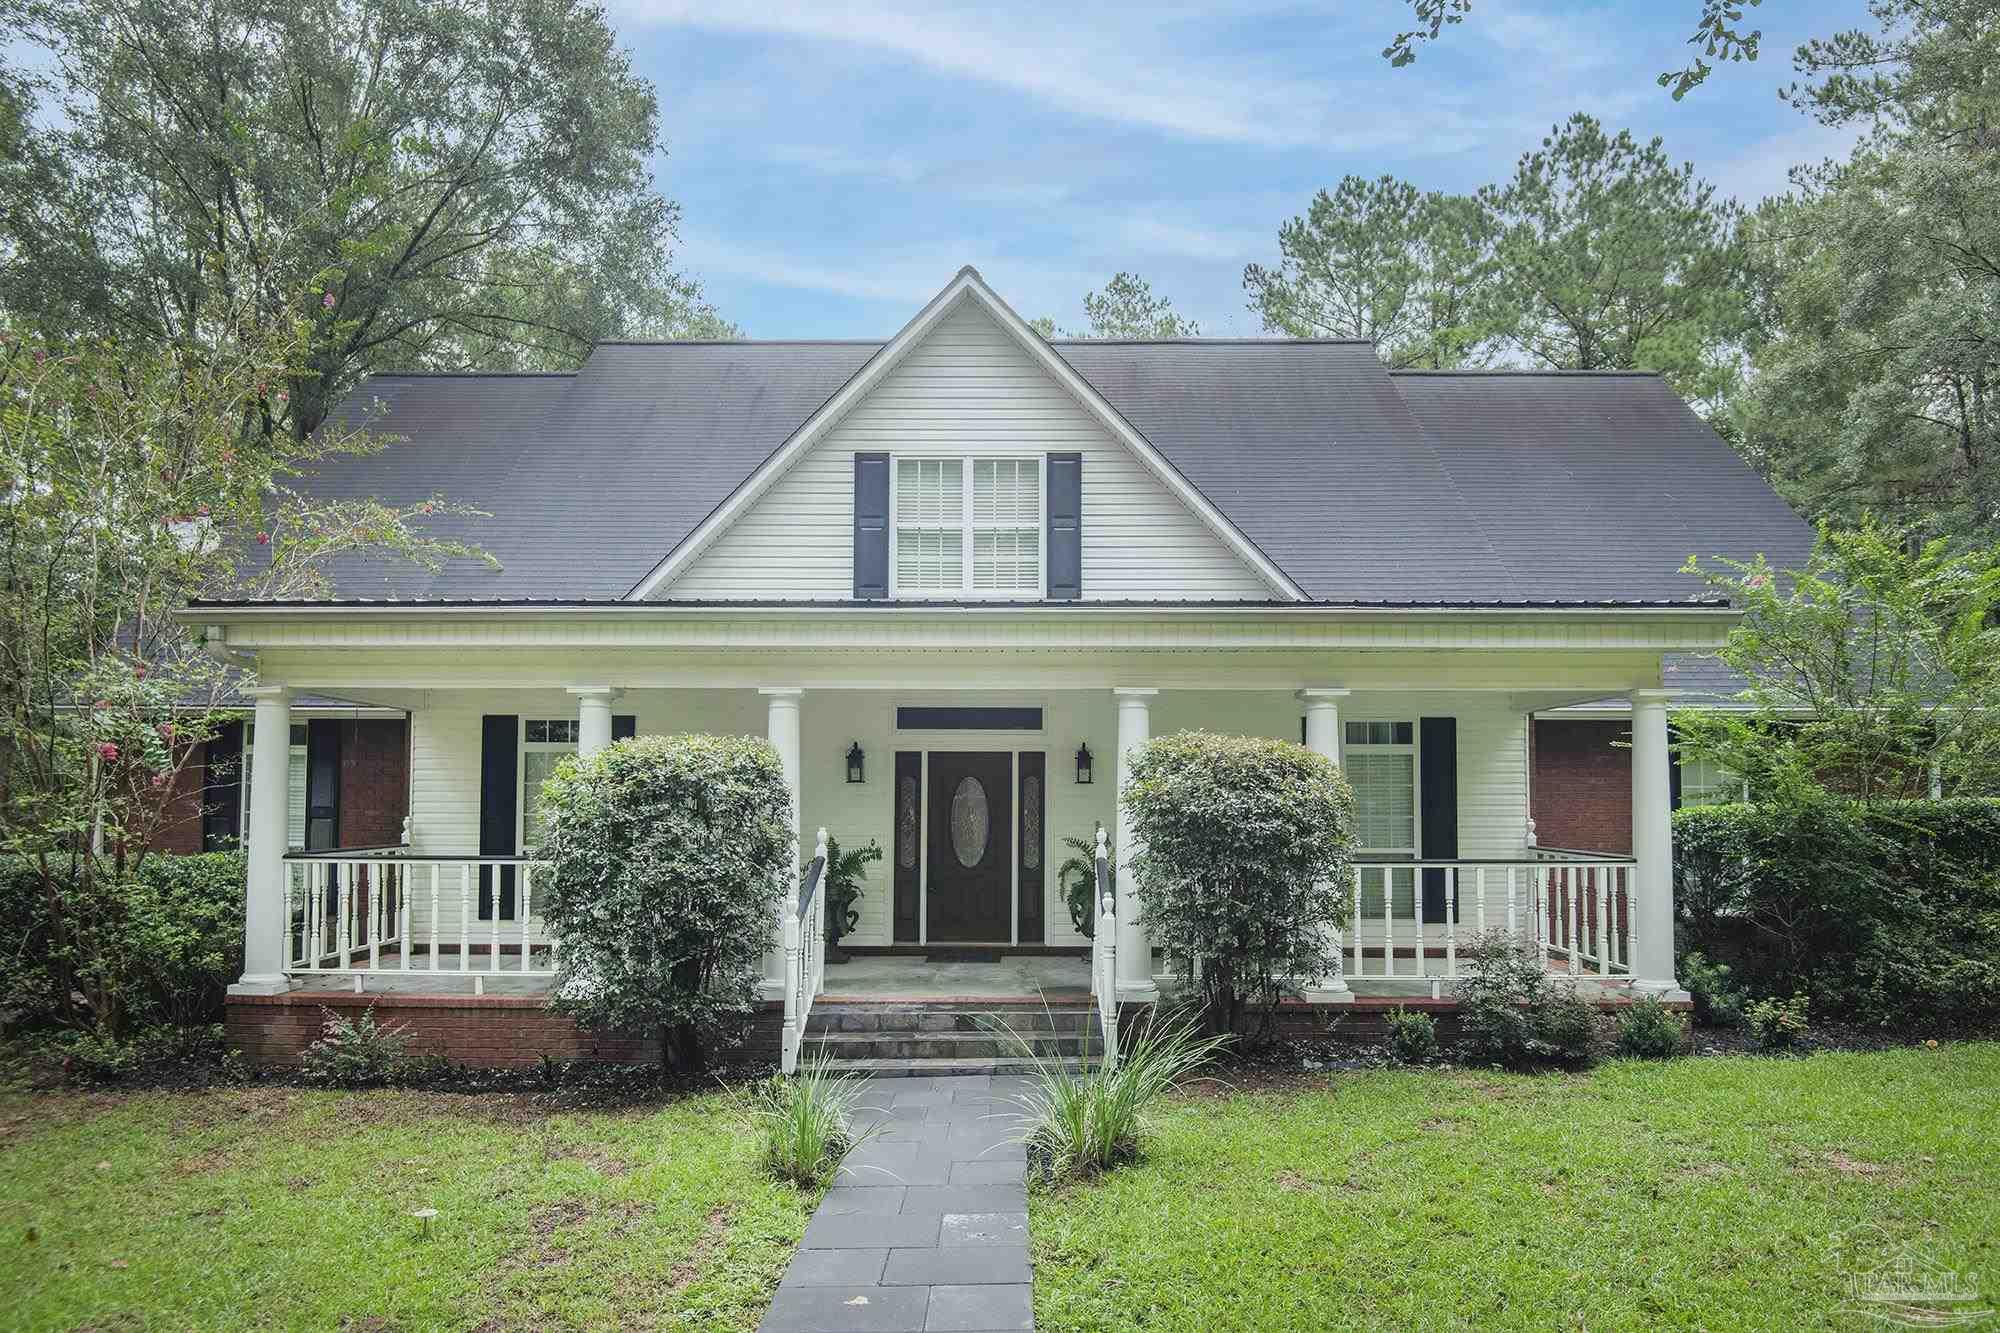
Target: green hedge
column 1886, row 913
column 158, row 947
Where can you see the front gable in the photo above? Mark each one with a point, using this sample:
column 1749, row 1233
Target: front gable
column 968, row 407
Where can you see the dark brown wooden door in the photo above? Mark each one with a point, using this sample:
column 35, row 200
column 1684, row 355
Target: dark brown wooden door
column 970, row 866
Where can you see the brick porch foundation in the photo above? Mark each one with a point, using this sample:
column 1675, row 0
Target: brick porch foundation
column 486, row 1031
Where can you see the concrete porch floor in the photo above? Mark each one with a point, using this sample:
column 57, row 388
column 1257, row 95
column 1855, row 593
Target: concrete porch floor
column 1021, row 977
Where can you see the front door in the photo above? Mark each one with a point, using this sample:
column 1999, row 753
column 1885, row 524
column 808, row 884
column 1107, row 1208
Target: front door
column 970, row 867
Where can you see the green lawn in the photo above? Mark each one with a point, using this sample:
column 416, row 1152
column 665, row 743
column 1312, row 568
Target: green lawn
column 1712, row 1193
column 278, row 1208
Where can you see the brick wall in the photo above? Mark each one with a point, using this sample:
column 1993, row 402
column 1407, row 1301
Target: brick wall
column 486, row 1031
column 374, row 788
column 1583, row 784
column 374, row 781
column 180, row 834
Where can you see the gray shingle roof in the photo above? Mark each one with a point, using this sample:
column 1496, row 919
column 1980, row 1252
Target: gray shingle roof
column 1361, row 485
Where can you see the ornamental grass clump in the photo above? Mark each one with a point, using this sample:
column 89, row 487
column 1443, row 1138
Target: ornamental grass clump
column 1084, row 1121
column 807, row 1123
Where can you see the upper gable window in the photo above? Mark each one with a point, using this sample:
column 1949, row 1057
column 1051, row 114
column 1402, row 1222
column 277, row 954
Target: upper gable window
column 968, row 527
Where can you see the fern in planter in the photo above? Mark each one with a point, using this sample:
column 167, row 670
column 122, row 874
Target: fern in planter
column 845, row 872
column 1078, row 877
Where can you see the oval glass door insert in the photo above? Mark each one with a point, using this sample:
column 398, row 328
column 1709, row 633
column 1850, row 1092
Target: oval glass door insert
column 971, row 823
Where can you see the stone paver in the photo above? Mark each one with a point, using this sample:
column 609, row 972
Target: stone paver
column 926, row 1226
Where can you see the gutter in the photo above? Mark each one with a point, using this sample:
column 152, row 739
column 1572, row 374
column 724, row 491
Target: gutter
column 239, row 613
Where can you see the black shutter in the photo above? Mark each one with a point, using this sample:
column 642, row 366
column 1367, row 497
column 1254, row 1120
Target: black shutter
column 499, row 796
column 1065, row 527
column 1437, row 804
column 322, row 784
column 1673, row 768
column 624, row 726
column 222, row 789
column 871, row 527
column 905, row 842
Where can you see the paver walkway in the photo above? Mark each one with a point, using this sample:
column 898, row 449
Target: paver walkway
column 927, row 1225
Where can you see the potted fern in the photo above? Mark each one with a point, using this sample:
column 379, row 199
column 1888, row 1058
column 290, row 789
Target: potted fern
column 845, row 872
column 1078, row 877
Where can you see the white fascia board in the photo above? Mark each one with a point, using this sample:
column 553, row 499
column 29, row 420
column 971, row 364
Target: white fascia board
column 967, row 285
column 253, row 612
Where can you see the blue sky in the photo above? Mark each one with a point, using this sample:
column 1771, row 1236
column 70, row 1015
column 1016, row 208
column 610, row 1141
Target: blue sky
column 837, row 161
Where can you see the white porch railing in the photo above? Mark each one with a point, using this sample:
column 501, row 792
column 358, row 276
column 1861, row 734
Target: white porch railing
column 1104, row 956
column 379, row 910
column 805, row 958
column 1575, row 907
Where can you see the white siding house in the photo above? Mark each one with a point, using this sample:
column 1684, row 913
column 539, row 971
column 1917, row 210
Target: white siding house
column 953, row 581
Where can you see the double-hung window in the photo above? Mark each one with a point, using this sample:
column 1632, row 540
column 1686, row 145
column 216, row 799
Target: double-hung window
column 1381, row 766
column 543, row 744
column 1705, row 782
column 968, row 527
column 295, row 786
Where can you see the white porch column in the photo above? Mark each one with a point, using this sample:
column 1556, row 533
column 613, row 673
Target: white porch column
column 593, row 717
column 781, row 727
column 1652, row 844
column 1323, row 737
column 1135, row 953
column 265, row 906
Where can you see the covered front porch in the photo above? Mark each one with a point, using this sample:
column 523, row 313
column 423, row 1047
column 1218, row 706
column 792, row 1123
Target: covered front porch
column 978, row 755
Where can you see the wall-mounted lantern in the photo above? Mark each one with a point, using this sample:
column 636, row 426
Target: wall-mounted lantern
column 857, row 770
column 1083, row 765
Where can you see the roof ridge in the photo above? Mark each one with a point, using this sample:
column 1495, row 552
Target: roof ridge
column 471, row 374
column 1504, row 372
column 741, row 342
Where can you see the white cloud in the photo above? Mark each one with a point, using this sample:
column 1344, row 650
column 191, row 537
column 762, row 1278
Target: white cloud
column 905, row 278
column 1142, row 67
column 1762, row 168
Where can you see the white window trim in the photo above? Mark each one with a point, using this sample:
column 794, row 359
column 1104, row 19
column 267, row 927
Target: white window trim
column 525, row 747
column 1416, row 782
column 1387, row 892
column 296, row 764
column 965, row 591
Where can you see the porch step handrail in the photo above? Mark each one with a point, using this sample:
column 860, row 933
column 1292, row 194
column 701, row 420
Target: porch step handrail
column 1577, row 911
column 805, row 958
column 1104, row 956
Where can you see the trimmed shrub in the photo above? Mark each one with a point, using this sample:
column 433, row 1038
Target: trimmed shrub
column 1413, row 1036
column 157, row 948
column 665, row 856
column 1651, row 1031
column 1244, row 863
column 1511, row 1015
column 1886, row 912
